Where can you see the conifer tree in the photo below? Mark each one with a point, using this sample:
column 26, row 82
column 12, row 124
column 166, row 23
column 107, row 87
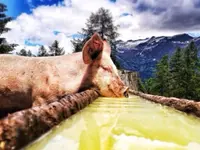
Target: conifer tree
column 29, row 54
column 102, row 23
column 78, row 44
column 22, row 52
column 190, row 70
column 141, row 85
column 42, row 52
column 180, row 77
column 150, row 86
column 55, row 50
column 176, row 74
column 4, row 46
column 162, row 77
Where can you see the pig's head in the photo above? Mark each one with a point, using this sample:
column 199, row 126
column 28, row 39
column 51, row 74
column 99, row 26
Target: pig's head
column 104, row 74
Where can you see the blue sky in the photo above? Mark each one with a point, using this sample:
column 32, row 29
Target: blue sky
column 16, row 7
column 39, row 22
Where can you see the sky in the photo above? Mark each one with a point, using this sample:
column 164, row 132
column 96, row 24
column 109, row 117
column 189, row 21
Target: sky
column 40, row 22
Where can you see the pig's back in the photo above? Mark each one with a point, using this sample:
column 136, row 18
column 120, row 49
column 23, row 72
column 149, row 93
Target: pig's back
column 41, row 75
column 24, row 79
column 15, row 90
column 14, row 72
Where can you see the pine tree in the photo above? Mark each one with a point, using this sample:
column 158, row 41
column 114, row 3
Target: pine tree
column 180, row 77
column 141, row 85
column 22, row 52
column 190, row 74
column 162, row 77
column 29, row 54
column 150, row 86
column 4, row 46
column 78, row 44
column 42, row 52
column 176, row 74
column 55, row 50
column 3, row 19
column 102, row 23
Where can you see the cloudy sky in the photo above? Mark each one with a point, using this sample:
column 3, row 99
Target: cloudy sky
column 40, row 22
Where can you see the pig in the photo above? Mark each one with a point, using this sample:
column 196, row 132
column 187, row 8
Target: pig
column 31, row 81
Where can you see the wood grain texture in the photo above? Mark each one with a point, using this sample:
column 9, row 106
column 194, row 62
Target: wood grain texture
column 22, row 127
column 185, row 105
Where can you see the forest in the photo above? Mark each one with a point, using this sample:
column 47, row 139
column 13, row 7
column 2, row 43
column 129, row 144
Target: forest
column 176, row 76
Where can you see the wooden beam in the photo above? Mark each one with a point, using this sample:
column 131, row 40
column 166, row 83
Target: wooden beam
column 185, row 105
column 22, row 127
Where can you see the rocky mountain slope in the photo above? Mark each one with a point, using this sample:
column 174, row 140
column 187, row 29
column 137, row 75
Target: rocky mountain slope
column 143, row 54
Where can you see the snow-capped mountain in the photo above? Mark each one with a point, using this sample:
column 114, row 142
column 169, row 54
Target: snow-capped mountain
column 142, row 55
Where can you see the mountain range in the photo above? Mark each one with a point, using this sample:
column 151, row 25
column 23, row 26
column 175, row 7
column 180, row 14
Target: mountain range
column 143, row 54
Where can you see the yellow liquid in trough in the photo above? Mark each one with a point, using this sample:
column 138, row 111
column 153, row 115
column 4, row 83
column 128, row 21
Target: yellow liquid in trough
column 123, row 124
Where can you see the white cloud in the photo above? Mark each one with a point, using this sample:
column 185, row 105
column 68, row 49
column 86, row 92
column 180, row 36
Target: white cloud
column 38, row 27
column 69, row 18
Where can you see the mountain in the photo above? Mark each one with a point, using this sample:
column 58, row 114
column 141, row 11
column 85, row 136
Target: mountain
column 143, row 54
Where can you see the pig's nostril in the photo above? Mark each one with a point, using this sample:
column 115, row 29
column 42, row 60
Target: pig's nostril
column 126, row 93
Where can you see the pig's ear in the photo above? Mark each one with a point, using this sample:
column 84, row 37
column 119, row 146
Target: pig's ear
column 92, row 48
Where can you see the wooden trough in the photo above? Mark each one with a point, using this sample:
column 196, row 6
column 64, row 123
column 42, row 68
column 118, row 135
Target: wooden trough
column 185, row 105
column 22, row 127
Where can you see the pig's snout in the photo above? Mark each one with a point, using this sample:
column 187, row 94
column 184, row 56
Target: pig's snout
column 126, row 92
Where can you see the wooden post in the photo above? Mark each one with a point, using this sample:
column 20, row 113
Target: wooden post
column 20, row 128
